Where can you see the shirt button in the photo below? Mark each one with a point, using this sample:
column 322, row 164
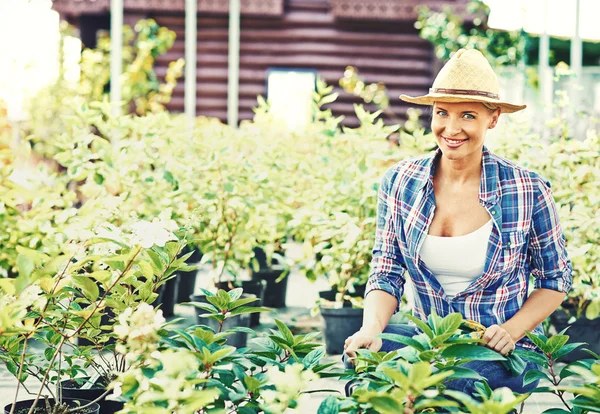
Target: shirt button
column 509, row 244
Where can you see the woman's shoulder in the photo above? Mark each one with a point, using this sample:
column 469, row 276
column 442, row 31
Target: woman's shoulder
column 509, row 170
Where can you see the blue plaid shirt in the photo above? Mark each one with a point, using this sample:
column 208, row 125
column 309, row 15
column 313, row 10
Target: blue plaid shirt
column 526, row 239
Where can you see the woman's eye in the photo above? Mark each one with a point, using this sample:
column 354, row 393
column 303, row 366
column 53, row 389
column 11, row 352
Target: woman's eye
column 441, row 113
column 469, row 116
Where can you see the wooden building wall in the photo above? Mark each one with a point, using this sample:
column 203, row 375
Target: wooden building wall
column 306, row 36
column 375, row 36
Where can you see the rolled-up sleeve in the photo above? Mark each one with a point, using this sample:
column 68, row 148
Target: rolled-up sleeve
column 550, row 263
column 387, row 265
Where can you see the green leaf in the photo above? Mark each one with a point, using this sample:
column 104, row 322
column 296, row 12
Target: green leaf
column 25, row 266
column 249, row 309
column 251, row 383
column 534, row 375
column 204, row 306
column 403, row 340
column 555, row 343
column 567, row 349
column 556, row 411
column 285, row 331
column 236, row 293
column 532, row 356
column 87, row 285
column 313, row 357
column 450, row 324
column 537, row 340
column 473, row 352
column 329, row 405
column 421, row 325
column 49, row 353
column 385, row 404
column 462, row 372
column 514, row 364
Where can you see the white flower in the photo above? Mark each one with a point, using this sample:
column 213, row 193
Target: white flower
column 155, row 233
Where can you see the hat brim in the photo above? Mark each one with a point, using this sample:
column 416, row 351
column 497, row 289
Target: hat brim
column 429, row 99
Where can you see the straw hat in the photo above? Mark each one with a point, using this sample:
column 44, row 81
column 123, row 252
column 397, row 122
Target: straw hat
column 467, row 77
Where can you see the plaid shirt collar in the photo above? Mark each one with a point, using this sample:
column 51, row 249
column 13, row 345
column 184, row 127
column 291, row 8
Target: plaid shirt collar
column 489, row 190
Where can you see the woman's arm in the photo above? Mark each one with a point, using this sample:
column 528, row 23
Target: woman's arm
column 538, row 306
column 379, row 308
column 550, row 267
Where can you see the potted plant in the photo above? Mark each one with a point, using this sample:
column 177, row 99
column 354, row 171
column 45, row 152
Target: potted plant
column 55, row 300
column 205, row 375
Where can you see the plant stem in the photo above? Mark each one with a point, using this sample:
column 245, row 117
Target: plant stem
column 21, row 363
column 556, row 382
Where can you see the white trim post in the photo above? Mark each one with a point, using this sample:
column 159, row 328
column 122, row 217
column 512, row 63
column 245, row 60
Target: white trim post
column 116, row 52
column 191, row 33
column 233, row 82
column 576, row 55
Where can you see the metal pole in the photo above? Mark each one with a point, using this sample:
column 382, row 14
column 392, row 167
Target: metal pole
column 191, row 33
column 544, row 69
column 576, row 55
column 233, row 82
column 116, row 51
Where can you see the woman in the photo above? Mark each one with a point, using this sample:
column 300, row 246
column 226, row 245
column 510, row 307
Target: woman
column 468, row 227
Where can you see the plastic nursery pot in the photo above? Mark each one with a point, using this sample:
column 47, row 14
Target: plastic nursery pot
column 581, row 330
column 253, row 287
column 187, row 280
column 71, row 389
column 338, row 325
column 167, row 295
column 274, row 292
column 22, row 407
column 238, row 339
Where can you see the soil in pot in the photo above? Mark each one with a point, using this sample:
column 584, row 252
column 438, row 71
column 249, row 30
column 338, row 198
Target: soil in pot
column 253, row 287
column 238, row 339
column 22, row 407
column 72, row 389
column 582, row 330
column 275, row 291
column 338, row 325
column 187, row 280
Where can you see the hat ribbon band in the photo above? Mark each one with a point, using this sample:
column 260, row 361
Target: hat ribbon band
column 464, row 92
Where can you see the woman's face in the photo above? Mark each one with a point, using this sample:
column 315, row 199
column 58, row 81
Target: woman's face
column 460, row 127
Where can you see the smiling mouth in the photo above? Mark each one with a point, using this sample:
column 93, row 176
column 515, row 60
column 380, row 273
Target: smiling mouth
column 454, row 141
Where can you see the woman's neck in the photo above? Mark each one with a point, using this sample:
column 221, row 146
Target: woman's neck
column 459, row 171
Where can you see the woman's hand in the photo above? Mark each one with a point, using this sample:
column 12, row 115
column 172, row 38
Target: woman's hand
column 365, row 338
column 498, row 339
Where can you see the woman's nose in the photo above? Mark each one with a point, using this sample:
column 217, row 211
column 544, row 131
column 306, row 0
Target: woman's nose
column 452, row 128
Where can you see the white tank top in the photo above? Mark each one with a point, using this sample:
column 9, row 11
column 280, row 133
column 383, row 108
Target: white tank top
column 457, row 261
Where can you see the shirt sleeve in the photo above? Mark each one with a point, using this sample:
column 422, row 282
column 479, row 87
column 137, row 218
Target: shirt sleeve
column 550, row 263
column 387, row 264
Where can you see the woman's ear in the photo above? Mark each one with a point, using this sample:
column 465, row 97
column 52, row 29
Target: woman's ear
column 495, row 117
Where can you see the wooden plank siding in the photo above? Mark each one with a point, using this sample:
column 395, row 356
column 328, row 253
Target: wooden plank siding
column 306, row 34
column 304, row 37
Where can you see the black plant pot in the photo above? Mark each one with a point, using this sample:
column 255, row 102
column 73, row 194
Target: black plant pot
column 253, row 287
column 22, row 407
column 274, row 292
column 105, row 320
column 71, row 389
column 166, row 296
column 330, row 296
column 338, row 325
column 582, row 330
column 238, row 339
column 187, row 280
